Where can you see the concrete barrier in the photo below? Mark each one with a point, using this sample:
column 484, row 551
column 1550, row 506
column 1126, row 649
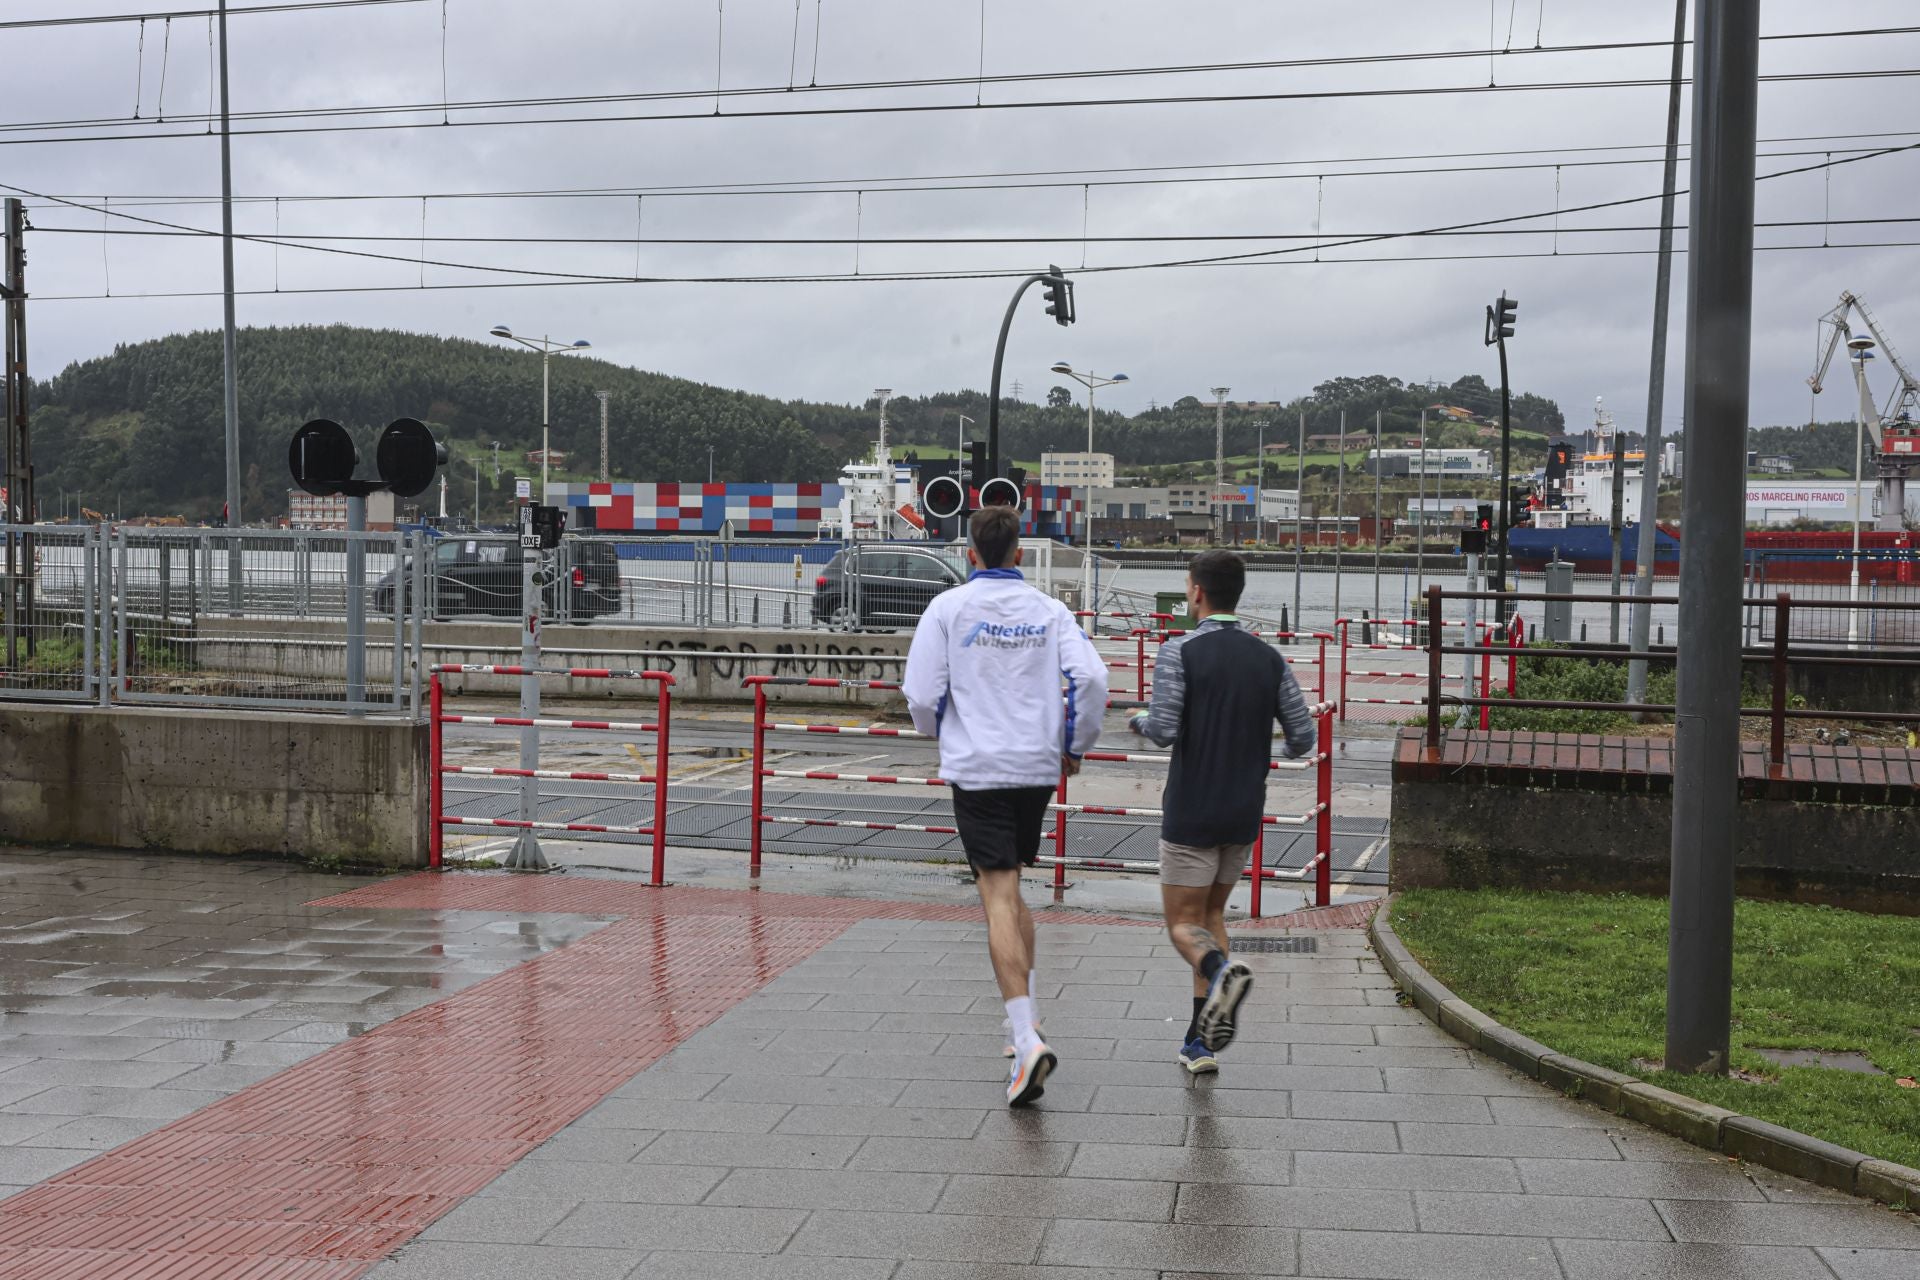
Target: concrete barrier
column 707, row 663
column 220, row 782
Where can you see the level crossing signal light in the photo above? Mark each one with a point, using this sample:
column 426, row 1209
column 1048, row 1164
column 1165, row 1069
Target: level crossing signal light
column 1500, row 318
column 1517, row 512
column 323, row 459
column 1059, row 295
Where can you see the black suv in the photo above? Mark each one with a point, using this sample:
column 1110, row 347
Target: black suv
column 883, row 585
column 469, row 576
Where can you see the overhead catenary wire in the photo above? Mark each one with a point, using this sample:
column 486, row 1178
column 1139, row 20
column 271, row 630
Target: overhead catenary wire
column 107, row 19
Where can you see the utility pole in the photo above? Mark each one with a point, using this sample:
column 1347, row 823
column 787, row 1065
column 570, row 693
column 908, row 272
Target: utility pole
column 1500, row 318
column 1339, row 514
column 1647, row 549
column 603, row 434
column 1616, row 524
column 1300, row 517
column 19, row 506
column 1420, row 544
column 1219, row 462
column 235, row 565
column 1726, row 55
column 1260, row 484
column 1376, row 513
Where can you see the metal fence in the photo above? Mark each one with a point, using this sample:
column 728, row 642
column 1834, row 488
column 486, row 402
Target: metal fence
column 240, row 618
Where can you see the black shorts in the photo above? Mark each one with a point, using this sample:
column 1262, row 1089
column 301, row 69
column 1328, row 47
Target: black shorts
column 1000, row 829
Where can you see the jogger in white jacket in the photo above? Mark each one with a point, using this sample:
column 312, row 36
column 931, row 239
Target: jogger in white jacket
column 1015, row 692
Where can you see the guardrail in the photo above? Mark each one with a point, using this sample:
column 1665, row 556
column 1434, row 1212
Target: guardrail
column 1778, row 658
column 1320, row 814
column 658, row 779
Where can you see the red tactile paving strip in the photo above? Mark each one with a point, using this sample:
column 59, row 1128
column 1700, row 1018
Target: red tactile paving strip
column 324, row 1169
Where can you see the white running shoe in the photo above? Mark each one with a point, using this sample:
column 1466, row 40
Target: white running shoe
column 1029, row 1079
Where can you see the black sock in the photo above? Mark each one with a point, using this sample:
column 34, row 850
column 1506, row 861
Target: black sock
column 1193, row 1025
column 1212, row 963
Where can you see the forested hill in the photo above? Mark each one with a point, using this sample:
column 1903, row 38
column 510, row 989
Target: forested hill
column 139, row 431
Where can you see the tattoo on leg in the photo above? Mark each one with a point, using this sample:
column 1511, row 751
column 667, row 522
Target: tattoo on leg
column 1197, row 936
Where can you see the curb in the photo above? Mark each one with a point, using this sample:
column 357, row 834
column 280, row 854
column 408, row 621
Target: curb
column 1714, row 1128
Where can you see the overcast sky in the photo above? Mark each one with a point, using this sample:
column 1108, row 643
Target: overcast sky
column 1266, row 330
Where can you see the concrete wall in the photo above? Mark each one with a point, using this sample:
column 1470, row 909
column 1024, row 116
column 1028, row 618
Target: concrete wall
column 215, row 782
column 1468, row 835
column 707, row 663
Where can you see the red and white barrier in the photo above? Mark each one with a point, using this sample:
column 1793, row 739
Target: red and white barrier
column 438, row 718
column 1320, row 815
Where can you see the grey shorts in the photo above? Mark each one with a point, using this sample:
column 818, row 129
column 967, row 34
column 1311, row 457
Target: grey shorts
column 1193, row 867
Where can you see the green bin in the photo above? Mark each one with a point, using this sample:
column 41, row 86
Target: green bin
column 1175, row 603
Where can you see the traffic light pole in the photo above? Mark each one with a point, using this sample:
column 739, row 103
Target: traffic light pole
column 526, row 854
column 356, row 601
column 1506, row 481
column 994, row 461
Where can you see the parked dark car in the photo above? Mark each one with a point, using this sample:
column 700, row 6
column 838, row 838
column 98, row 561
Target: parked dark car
column 480, row 577
column 883, row 585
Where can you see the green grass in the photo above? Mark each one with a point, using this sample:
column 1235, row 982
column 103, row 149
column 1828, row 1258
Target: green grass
column 1587, row 975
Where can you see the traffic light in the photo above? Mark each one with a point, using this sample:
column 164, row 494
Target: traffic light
column 544, row 524
column 1483, row 517
column 976, row 466
column 944, row 497
column 322, row 459
column 1500, row 319
column 1059, row 296
column 1517, row 512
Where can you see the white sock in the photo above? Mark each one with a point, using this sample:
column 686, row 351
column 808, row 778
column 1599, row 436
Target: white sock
column 1020, row 1015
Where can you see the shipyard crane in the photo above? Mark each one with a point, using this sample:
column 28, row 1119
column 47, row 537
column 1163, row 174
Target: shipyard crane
column 1903, row 404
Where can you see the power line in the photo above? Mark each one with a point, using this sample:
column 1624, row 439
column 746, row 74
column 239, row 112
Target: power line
column 923, row 108
column 105, row 19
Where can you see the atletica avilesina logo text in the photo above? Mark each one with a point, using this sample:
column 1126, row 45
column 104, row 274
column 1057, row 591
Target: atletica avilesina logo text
column 1019, row 635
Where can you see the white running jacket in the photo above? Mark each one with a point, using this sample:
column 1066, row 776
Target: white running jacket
column 1006, row 680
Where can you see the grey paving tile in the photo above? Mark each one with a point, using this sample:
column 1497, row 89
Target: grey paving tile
column 692, row 1228
column 1165, row 1246
column 1192, row 1097
column 16, row 1129
column 891, row 1043
column 880, row 1002
column 1848, row 1225
column 703, row 1117
column 1183, row 1164
column 1585, row 1216
column 827, row 1189
column 28, row 1165
column 73, row 1048
column 1436, row 1108
column 437, row 1260
column 724, row 1062
column 976, row 1271
column 1422, row 1034
column 108, row 1100
column 1872, row 1264
column 979, row 1095
column 90, row 1133
column 1404, row 1172
column 893, row 1122
column 828, row 1090
column 1293, row 1135
column 924, row 1066
column 604, row 1146
column 749, row 1151
column 733, row 1266
column 1634, row 1260
column 1782, row 1189
column 1485, row 1079
column 627, row 1183
column 1002, row 1197
column 1646, row 1179
column 228, row 1052
column 1348, row 1055
column 1390, row 1255
column 119, row 1075
column 499, row 1220
column 945, row 1155
column 222, row 1077
column 1330, row 1208
column 675, row 1086
column 1563, row 1112
column 1506, row 1140
column 1037, row 1124
column 933, row 1237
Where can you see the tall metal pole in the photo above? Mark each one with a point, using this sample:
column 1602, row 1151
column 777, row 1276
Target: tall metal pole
column 1506, row 481
column 1420, row 543
column 546, row 421
column 1339, row 514
column 1616, row 523
column 1299, row 517
column 1646, row 550
column 1726, row 52
column 1086, row 599
column 1860, row 411
column 1376, row 513
column 604, row 477
column 993, row 394
column 526, row 854
column 235, row 565
column 356, row 601
column 1260, row 480
column 1219, row 462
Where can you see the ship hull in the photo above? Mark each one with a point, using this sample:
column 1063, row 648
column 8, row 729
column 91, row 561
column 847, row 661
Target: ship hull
column 1771, row 555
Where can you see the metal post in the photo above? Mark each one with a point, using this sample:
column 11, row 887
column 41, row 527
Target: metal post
column 603, row 434
column 235, row 584
column 1060, row 837
column 546, row 422
column 757, row 805
column 1860, row 412
column 1420, row 534
column 1619, row 531
column 398, row 693
column 1472, row 627
column 1782, row 628
column 1339, row 511
column 526, row 855
column 1376, row 513
column 416, row 598
column 1707, row 723
column 1259, row 867
column 1323, row 827
column 1647, row 547
column 356, row 603
column 1299, row 518
column 1506, row 476
column 123, row 669
column 993, row 396
column 1435, row 660
column 89, row 589
column 1219, row 463
column 436, row 831
column 661, row 747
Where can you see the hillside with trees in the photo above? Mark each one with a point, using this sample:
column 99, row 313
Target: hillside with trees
column 140, row 431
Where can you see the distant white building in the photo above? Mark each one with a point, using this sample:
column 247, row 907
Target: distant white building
column 1438, row 462
column 1133, row 503
column 1077, row 469
column 306, row 511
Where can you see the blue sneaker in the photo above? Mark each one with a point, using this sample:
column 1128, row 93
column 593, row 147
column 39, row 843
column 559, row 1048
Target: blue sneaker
column 1196, row 1058
column 1216, row 1021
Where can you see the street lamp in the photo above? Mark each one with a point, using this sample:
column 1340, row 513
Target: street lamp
column 1862, row 348
column 547, row 348
column 1092, row 382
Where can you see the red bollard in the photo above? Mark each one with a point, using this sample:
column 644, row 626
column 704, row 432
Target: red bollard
column 1486, row 678
column 1323, row 826
column 1259, row 864
column 1060, row 836
column 1140, row 665
column 759, row 780
column 436, row 833
column 660, row 784
column 1344, row 636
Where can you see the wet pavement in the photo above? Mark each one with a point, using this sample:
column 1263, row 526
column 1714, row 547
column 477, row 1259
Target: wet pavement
column 484, row 1076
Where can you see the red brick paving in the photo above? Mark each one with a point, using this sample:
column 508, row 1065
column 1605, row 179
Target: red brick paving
column 322, row 1170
